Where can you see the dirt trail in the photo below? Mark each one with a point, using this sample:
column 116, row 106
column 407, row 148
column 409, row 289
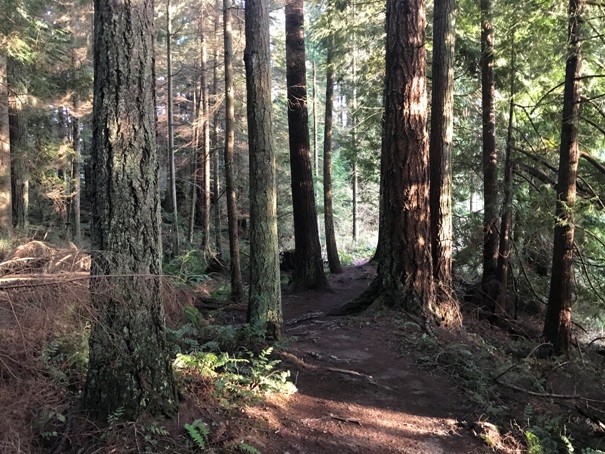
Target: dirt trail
column 359, row 389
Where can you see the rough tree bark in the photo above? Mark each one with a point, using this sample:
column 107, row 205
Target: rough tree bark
column 264, row 309
column 237, row 286
column 440, row 146
column 129, row 367
column 490, row 153
column 557, row 326
column 404, row 277
column 333, row 259
column 309, row 273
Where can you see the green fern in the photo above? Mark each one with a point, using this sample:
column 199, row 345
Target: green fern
column 198, row 431
column 115, row 416
column 245, row 447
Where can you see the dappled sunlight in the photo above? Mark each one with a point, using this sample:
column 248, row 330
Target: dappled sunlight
column 349, row 427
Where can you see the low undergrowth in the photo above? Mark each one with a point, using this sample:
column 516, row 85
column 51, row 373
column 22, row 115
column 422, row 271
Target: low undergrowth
column 44, row 330
column 530, row 402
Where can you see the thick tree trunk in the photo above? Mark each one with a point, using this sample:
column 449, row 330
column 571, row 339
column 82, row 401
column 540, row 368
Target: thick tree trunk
column 6, row 218
column 333, row 259
column 442, row 128
column 442, row 132
column 129, row 364
column 490, row 154
column 175, row 217
column 557, row 326
column 405, row 271
column 309, row 273
column 237, row 286
column 264, row 307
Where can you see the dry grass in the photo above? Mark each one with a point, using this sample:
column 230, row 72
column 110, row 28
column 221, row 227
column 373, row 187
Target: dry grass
column 44, row 296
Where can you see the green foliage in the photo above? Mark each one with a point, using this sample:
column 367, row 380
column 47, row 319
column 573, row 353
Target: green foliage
column 198, row 432
column 245, row 447
column 115, row 417
column 189, row 268
column 48, row 422
column 65, row 358
column 247, row 378
column 533, row 443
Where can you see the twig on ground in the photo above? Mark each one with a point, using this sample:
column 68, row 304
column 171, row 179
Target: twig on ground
column 343, row 419
column 521, row 362
column 550, row 395
column 304, row 318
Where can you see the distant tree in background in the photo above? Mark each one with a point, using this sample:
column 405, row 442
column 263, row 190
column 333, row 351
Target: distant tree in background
column 309, row 272
column 6, row 217
column 490, row 152
column 557, row 326
column 332, row 250
column 237, row 286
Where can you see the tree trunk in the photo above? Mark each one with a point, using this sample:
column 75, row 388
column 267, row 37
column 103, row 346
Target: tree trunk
column 502, row 300
column 490, row 154
column 205, row 155
column 216, row 156
column 6, row 218
column 355, row 174
column 405, row 270
column 333, row 259
column 175, row 217
column 309, row 273
column 557, row 326
column 18, row 145
column 194, row 162
column 442, row 131
column 315, row 145
column 237, row 286
column 77, row 160
column 264, row 309
column 129, row 367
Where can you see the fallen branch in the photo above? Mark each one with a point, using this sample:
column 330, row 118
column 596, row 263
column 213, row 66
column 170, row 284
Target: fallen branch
column 340, row 418
column 551, row 395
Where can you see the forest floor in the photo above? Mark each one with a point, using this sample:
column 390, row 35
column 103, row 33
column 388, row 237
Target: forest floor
column 371, row 383
column 360, row 386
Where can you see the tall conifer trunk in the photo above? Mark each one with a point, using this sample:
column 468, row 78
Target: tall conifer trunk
column 309, row 272
column 557, row 326
column 490, row 153
column 237, row 286
column 442, row 132
column 506, row 225
column 405, row 277
column 333, row 259
column 129, row 369
column 264, row 309
column 6, row 217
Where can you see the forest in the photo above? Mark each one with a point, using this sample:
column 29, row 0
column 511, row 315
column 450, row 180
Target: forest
column 288, row 226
